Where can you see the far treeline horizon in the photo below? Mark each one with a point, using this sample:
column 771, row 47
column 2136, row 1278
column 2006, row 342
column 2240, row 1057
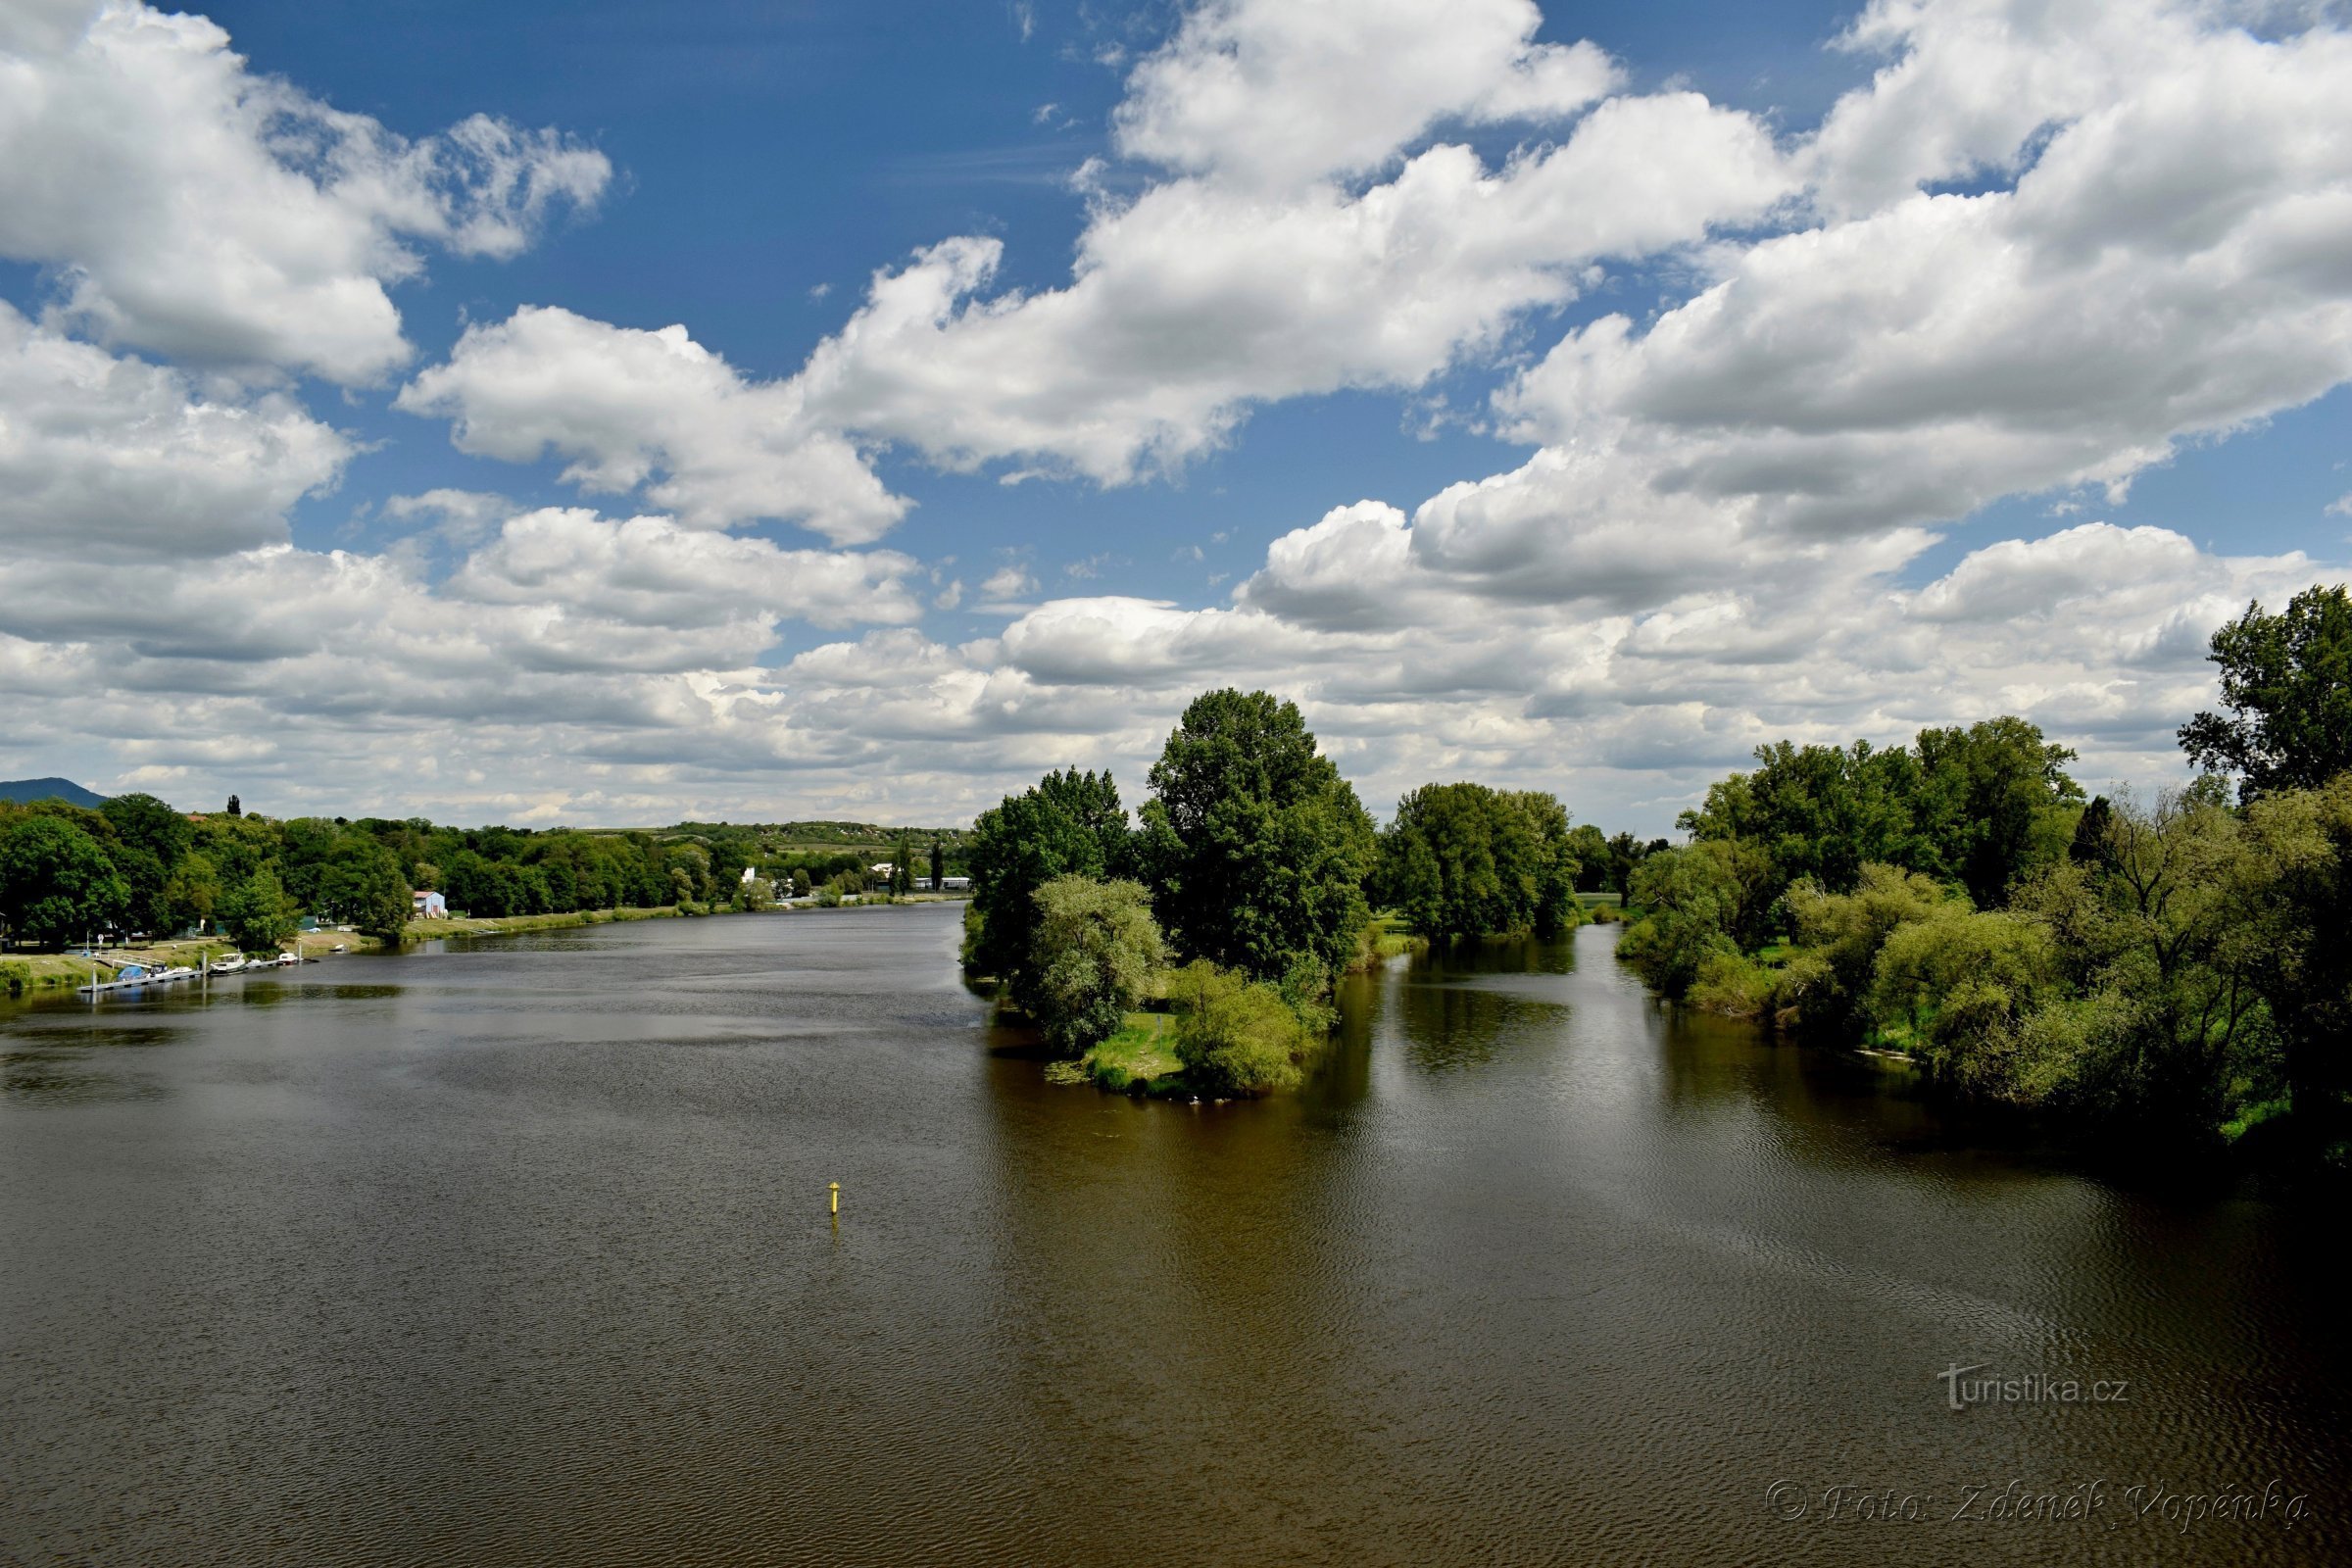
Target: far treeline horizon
column 2178, row 969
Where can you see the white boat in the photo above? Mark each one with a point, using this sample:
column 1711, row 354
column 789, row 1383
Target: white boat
column 228, row 965
column 178, row 971
column 285, row 960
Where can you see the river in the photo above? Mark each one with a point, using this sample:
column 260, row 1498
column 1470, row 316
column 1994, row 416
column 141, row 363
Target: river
column 518, row 1251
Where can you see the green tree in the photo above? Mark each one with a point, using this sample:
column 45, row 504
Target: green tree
column 1690, row 901
column 1997, row 799
column 1842, row 933
column 2303, row 948
column 256, row 914
column 362, row 885
column 1590, row 848
column 1257, row 848
column 152, row 837
column 1959, row 986
column 1462, row 859
column 56, row 885
column 2287, row 682
column 1233, row 1034
column 901, row 867
column 939, row 868
column 1096, row 948
column 191, row 891
column 1067, row 824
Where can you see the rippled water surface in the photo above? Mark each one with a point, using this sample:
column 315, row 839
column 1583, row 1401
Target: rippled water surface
column 519, row 1253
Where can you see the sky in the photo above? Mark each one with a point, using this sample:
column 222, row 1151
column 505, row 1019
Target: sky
column 603, row 414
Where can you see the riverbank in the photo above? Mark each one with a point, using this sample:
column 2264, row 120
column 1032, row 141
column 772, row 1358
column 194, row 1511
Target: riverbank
column 26, row 974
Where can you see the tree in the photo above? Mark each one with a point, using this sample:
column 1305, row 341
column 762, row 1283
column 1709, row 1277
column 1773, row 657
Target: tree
column 191, row 891
column 1096, row 948
column 152, row 838
column 256, row 913
column 2093, row 840
column 362, row 885
column 901, row 867
column 56, row 884
column 800, row 881
column 1590, row 847
column 1842, row 933
column 2286, row 680
column 1462, row 859
column 939, row 868
column 1689, row 900
column 1996, row 801
column 1069, row 823
column 236, row 806
column 1257, row 848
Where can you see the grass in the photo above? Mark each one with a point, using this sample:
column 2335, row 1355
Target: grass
column 1143, row 1047
column 1389, row 939
column 493, row 926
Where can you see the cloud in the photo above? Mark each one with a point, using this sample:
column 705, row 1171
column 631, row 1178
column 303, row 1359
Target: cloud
column 654, row 412
column 1288, row 91
column 124, row 457
column 650, row 574
column 1199, row 298
column 196, row 209
column 1007, row 583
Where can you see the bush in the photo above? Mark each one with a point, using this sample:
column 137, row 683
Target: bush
column 1738, row 987
column 1233, row 1034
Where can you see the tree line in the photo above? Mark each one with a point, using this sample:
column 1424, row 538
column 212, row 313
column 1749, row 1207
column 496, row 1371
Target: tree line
column 2182, row 961
column 137, row 866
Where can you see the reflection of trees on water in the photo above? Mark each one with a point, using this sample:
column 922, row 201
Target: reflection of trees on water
column 1448, row 1027
column 1462, row 1003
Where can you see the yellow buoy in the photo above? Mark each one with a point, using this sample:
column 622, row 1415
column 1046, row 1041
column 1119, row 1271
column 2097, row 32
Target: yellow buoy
column 835, row 1189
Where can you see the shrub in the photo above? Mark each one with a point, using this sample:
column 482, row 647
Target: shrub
column 1233, row 1034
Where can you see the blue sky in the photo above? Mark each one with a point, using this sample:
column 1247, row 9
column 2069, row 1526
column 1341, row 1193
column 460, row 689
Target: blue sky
column 1718, row 374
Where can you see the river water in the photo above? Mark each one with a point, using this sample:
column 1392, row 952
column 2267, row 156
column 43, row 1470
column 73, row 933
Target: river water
column 519, row 1252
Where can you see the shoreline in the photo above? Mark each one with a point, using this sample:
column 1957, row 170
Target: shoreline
column 31, row 976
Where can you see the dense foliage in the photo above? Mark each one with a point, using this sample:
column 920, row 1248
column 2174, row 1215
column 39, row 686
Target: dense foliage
column 1462, row 859
column 2177, row 963
column 1979, row 807
column 56, row 885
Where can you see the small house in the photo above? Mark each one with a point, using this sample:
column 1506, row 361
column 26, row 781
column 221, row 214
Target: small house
column 427, row 905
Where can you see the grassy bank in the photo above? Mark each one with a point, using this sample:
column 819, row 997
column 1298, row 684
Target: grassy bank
column 25, row 973
column 1387, row 938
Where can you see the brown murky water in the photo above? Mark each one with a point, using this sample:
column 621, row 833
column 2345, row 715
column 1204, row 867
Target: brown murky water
column 519, row 1253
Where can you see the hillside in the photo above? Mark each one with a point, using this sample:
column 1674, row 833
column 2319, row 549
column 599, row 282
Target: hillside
column 42, row 789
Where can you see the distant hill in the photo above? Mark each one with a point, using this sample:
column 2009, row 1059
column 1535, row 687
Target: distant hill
column 42, row 789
